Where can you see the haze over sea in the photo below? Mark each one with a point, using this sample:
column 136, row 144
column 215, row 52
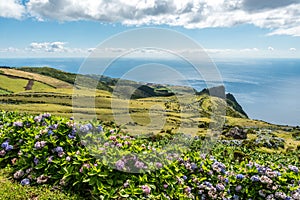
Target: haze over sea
column 267, row 89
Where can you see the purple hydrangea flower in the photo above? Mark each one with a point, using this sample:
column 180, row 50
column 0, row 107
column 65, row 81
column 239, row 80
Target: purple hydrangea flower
column 184, row 177
column 2, row 152
column 188, row 190
column 139, row 165
column 50, row 159
column 119, row 145
column 293, row 168
column 146, row 189
column 43, row 143
column 120, row 165
column 220, row 187
column 158, row 165
column 61, row 154
column 46, row 115
column 126, row 184
column 71, row 136
column 238, row 188
column 68, row 158
column 58, row 149
column 18, row 124
column 112, row 137
column 25, row 181
column 53, row 127
column 38, row 118
column 36, row 161
column 42, row 179
column 37, row 145
column 18, row 174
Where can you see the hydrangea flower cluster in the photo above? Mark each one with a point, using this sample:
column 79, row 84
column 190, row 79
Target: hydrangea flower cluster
column 55, row 151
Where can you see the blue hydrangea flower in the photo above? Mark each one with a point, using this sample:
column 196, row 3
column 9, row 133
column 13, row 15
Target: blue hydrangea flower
column 89, row 126
column 194, row 166
column 4, row 144
column 240, row 176
column 25, row 181
column 36, row 161
column 9, row 148
column 100, row 128
column 71, row 136
column 254, row 178
column 58, row 149
column 50, row 132
column 184, row 177
column 226, row 180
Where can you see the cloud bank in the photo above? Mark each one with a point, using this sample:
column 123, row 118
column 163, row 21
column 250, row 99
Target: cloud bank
column 11, row 9
column 282, row 17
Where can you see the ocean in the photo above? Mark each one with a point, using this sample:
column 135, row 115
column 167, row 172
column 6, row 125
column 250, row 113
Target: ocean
column 267, row 89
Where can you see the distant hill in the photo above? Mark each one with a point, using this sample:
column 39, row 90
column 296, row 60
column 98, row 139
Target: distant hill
column 48, row 86
column 102, row 82
column 70, row 78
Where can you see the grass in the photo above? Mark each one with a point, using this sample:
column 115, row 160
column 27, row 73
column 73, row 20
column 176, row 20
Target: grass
column 14, row 190
column 43, row 79
column 17, row 85
column 13, row 85
column 4, row 91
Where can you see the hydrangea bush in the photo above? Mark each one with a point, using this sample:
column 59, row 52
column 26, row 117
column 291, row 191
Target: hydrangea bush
column 95, row 159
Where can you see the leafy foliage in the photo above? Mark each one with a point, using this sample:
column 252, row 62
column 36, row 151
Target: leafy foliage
column 94, row 159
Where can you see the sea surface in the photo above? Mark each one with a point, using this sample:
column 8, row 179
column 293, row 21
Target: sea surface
column 267, row 89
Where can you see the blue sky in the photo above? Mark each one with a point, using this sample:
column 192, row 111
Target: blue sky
column 225, row 28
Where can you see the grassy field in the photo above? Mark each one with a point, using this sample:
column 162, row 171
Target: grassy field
column 13, row 190
column 40, row 78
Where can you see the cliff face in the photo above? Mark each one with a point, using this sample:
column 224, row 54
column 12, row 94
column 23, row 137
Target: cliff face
column 219, row 91
column 230, row 99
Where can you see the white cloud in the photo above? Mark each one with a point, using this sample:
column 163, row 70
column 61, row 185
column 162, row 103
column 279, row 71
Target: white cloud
column 282, row 17
column 270, row 48
column 48, row 46
column 9, row 50
column 11, row 9
column 294, row 31
column 293, row 49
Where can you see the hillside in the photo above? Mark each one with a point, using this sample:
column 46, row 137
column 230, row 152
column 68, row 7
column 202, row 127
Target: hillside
column 37, row 90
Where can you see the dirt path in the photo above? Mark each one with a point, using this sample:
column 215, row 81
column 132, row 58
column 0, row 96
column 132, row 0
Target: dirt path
column 29, row 85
